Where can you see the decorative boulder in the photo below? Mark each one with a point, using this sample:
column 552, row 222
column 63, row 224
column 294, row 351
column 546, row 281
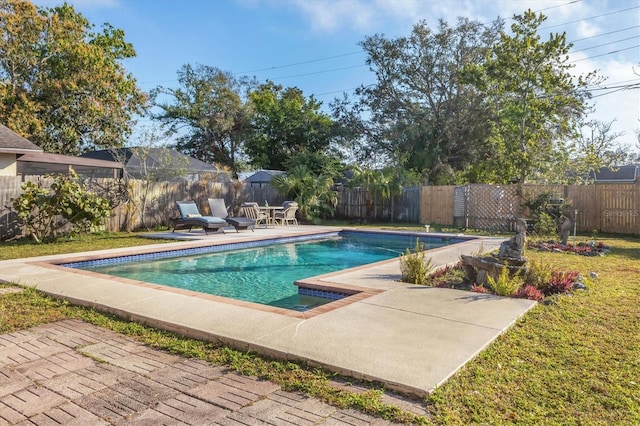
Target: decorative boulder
column 510, row 255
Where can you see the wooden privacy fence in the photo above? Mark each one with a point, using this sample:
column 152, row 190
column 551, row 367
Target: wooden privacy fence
column 139, row 204
column 611, row 208
column 356, row 203
column 152, row 204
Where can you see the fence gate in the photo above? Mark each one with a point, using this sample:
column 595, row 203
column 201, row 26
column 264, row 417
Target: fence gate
column 460, row 213
column 437, row 205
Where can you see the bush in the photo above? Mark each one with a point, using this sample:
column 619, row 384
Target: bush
column 448, row 276
column 538, row 274
column 46, row 213
column 560, row 282
column 547, row 280
column 545, row 225
column 415, row 269
column 505, row 285
column 530, row 292
column 478, row 288
column 545, row 209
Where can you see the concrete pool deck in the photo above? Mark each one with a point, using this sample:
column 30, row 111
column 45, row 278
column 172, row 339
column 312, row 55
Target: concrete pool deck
column 411, row 338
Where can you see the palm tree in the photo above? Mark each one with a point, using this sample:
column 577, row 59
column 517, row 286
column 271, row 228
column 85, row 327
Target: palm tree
column 378, row 184
column 314, row 194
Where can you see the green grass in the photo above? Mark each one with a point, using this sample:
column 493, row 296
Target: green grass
column 574, row 362
column 577, row 362
column 18, row 249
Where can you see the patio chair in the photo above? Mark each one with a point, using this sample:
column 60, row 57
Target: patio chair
column 253, row 212
column 288, row 213
column 219, row 209
column 190, row 217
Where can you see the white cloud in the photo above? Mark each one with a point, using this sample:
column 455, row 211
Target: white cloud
column 333, row 16
column 587, row 29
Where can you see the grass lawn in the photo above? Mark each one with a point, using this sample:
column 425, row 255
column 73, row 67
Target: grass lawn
column 18, row 249
column 576, row 361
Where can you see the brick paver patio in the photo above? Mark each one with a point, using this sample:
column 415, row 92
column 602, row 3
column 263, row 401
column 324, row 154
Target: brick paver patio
column 74, row 373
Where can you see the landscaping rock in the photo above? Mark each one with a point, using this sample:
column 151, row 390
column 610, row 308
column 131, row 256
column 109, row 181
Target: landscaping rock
column 579, row 286
column 510, row 256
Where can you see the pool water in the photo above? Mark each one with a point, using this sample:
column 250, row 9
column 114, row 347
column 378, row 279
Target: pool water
column 266, row 274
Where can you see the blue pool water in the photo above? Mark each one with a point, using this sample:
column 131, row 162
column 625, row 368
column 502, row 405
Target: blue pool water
column 264, row 274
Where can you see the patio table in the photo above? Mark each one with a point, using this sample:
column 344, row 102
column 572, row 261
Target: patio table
column 270, row 211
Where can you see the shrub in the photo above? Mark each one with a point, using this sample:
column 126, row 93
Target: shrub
column 538, row 274
column 505, row 285
column 560, row 282
column 478, row 288
column 47, row 213
column 415, row 269
column 545, row 225
column 448, row 276
column 530, row 292
column 590, row 249
column 547, row 280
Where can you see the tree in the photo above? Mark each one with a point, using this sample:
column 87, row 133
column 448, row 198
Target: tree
column 312, row 192
column 62, row 84
column 534, row 101
column 210, row 114
column 421, row 114
column 318, row 163
column 595, row 147
column 375, row 183
column 285, row 124
column 379, row 184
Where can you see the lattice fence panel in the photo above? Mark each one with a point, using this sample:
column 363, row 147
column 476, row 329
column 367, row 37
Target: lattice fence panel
column 493, row 207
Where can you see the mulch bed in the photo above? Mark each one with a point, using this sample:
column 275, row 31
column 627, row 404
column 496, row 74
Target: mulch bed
column 591, row 248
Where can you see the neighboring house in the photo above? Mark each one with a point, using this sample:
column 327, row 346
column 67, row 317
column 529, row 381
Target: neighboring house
column 259, row 178
column 13, row 146
column 619, row 174
column 159, row 163
column 21, row 157
column 42, row 163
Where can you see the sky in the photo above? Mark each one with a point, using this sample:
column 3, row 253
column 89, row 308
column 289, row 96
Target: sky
column 313, row 44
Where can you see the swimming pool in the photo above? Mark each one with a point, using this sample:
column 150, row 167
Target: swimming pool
column 264, row 271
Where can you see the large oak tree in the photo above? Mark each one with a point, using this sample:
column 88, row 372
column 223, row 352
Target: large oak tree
column 420, row 115
column 285, row 124
column 533, row 100
column 209, row 114
column 62, row 84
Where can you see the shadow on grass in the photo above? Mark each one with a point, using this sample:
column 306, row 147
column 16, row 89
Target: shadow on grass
column 628, row 252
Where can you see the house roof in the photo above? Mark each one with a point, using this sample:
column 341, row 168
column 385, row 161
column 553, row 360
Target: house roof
column 619, row 174
column 11, row 142
column 156, row 157
column 261, row 176
column 42, row 157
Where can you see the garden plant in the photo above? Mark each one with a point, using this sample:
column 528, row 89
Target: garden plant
column 67, row 207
